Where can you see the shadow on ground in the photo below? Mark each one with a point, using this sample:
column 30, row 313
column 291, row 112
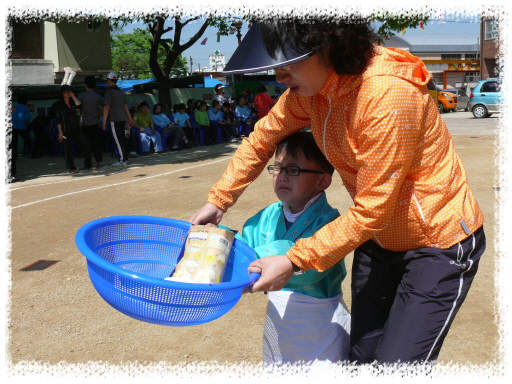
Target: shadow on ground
column 48, row 167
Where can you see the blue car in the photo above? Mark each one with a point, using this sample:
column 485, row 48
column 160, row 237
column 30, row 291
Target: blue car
column 486, row 98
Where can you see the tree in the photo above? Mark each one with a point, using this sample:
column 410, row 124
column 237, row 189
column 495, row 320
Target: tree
column 389, row 23
column 130, row 56
column 164, row 53
column 162, row 64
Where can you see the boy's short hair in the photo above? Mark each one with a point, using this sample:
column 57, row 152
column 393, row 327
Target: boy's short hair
column 90, row 81
column 143, row 104
column 215, row 103
column 226, row 104
column 305, row 142
column 182, row 106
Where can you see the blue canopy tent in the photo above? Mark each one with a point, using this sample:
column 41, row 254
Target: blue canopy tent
column 127, row 85
column 211, row 83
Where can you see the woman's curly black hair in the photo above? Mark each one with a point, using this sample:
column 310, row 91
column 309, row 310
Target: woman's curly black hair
column 344, row 42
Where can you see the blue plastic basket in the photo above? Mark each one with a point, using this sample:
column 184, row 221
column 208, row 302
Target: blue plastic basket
column 128, row 258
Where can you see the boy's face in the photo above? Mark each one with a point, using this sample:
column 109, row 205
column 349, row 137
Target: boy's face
column 216, row 108
column 182, row 111
column 296, row 191
column 241, row 102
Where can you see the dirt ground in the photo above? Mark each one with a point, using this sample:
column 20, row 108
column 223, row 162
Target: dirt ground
column 57, row 316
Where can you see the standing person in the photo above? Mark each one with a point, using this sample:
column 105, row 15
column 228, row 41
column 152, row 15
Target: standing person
column 20, row 118
column 68, row 124
column 307, row 320
column 262, row 101
column 220, row 96
column 115, row 112
column 92, row 104
column 415, row 227
column 201, row 117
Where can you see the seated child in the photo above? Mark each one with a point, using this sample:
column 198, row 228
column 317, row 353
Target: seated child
column 307, row 319
column 215, row 114
column 170, row 128
column 242, row 110
column 229, row 116
column 201, row 117
column 144, row 123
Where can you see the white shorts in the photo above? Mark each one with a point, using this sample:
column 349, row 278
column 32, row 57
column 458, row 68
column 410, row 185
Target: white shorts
column 301, row 328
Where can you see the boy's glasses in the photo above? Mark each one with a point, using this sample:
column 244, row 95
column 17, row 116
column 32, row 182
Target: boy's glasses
column 290, row 171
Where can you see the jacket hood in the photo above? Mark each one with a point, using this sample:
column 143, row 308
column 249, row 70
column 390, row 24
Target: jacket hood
column 383, row 62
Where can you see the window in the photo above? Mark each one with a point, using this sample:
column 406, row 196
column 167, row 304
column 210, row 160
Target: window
column 92, row 25
column 491, row 29
column 471, row 77
column 451, row 56
column 491, row 86
column 471, row 56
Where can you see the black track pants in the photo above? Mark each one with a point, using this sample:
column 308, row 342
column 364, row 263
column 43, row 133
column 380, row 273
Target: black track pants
column 403, row 303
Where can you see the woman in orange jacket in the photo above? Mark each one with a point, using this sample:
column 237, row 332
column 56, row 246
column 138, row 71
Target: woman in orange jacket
column 415, row 227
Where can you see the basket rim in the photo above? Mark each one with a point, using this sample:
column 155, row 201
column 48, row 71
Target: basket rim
column 133, row 219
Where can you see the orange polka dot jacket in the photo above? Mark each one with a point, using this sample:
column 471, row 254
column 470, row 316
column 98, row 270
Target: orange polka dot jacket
column 384, row 135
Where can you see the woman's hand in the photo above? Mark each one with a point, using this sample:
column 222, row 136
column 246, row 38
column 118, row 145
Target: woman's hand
column 208, row 214
column 275, row 272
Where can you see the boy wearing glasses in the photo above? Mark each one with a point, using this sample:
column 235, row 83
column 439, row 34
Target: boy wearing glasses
column 307, row 320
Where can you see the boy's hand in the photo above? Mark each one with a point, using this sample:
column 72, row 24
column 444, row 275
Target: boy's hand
column 275, row 272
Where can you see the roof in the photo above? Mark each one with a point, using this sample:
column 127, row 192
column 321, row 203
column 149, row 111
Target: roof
column 437, row 43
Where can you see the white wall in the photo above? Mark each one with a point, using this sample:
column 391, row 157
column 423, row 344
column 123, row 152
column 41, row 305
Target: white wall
column 32, row 71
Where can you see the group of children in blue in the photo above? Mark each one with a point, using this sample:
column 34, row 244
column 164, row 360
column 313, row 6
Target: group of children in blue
column 227, row 117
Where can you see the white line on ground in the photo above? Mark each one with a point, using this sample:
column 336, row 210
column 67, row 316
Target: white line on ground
column 124, row 182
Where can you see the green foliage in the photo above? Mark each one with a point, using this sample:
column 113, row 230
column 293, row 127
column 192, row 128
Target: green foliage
column 130, row 55
column 389, row 23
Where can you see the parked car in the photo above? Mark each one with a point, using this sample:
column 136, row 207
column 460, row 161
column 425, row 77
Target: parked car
column 462, row 98
column 485, row 98
column 447, row 101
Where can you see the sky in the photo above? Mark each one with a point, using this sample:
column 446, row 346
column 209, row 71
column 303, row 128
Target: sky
column 228, row 44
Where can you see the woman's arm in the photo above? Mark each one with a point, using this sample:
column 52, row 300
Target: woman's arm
column 252, row 156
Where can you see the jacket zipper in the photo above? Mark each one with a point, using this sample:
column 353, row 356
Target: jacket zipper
column 325, row 127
